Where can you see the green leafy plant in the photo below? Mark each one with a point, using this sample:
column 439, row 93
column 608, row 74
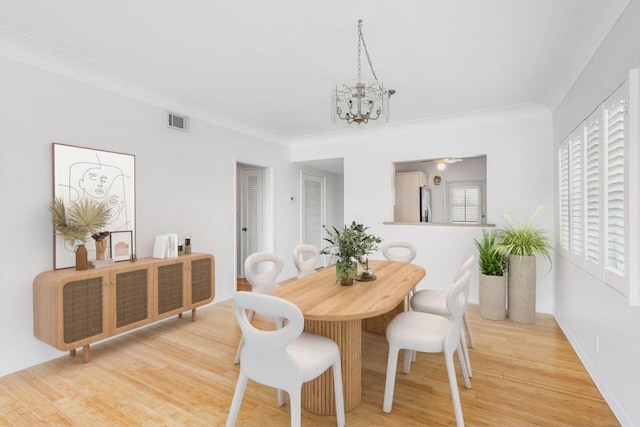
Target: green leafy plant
column 523, row 239
column 82, row 219
column 491, row 261
column 351, row 243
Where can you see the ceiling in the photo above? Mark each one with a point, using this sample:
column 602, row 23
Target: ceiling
column 272, row 64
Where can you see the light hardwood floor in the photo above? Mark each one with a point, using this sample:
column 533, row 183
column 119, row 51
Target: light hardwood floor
column 181, row 373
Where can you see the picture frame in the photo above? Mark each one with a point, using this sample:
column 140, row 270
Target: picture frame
column 121, row 245
column 80, row 173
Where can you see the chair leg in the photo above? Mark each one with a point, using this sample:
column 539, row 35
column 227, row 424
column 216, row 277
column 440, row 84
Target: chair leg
column 337, row 390
column 467, row 327
column 408, row 358
column 455, row 394
column 465, row 354
column 392, row 364
column 237, row 400
column 295, row 406
column 463, row 367
column 281, row 400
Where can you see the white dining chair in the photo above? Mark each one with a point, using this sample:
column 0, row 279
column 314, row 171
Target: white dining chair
column 305, row 257
column 398, row 250
column 401, row 251
column 284, row 358
column 435, row 302
column 429, row 333
column 261, row 270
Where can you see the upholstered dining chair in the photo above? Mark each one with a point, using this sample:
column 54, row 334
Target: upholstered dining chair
column 306, row 267
column 284, row 358
column 429, row 333
column 261, row 270
column 435, row 301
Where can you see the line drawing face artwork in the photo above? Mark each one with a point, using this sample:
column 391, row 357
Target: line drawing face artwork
column 104, row 176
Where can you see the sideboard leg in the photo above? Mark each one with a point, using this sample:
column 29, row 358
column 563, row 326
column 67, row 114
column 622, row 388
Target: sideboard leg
column 193, row 314
column 72, row 353
column 180, row 316
column 85, row 353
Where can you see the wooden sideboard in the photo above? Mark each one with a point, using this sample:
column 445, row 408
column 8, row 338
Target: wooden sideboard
column 72, row 309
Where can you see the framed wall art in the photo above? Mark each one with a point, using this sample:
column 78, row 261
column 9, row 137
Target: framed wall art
column 80, row 173
column 121, row 245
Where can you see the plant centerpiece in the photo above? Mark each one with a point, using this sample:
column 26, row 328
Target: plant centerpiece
column 493, row 285
column 76, row 224
column 351, row 245
column 522, row 243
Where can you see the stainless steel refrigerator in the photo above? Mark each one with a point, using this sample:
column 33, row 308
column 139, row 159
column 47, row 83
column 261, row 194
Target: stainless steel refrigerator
column 425, row 205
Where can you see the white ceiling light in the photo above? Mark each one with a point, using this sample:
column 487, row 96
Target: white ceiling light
column 363, row 100
column 442, row 166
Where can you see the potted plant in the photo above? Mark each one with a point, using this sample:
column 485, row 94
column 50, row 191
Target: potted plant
column 493, row 284
column 82, row 219
column 522, row 243
column 351, row 245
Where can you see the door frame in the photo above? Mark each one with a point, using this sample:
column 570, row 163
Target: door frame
column 268, row 215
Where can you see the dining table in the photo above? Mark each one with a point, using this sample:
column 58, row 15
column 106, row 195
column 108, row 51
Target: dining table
column 339, row 312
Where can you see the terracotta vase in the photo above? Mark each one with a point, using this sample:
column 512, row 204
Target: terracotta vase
column 101, row 248
column 82, row 263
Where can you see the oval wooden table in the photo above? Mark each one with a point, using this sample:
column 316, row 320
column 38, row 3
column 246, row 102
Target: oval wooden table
column 337, row 312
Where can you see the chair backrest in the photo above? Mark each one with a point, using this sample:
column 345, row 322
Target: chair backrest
column 306, row 267
column 407, row 251
column 264, row 356
column 465, row 266
column 262, row 282
column 456, row 306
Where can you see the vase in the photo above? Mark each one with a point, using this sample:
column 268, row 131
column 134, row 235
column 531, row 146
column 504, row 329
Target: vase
column 101, row 248
column 493, row 297
column 82, row 263
column 522, row 288
column 345, row 272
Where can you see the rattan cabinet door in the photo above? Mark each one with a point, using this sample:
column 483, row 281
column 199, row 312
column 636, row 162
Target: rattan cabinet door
column 201, row 281
column 170, row 279
column 132, row 298
column 82, row 309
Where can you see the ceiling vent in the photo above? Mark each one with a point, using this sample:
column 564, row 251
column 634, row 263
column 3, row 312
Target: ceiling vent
column 178, row 122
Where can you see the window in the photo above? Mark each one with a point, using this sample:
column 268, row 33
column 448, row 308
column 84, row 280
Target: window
column 465, row 203
column 591, row 193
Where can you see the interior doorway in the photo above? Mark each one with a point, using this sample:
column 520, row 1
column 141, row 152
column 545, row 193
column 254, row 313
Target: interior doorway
column 254, row 208
column 313, row 212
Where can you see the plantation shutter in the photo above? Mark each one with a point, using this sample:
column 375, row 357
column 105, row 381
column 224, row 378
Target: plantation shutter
column 465, row 203
column 563, row 155
column 615, row 183
column 592, row 188
column 576, row 194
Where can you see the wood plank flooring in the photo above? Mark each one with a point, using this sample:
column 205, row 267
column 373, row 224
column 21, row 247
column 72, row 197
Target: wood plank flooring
column 181, row 373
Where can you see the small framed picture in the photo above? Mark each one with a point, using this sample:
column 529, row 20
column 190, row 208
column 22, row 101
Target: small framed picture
column 121, row 245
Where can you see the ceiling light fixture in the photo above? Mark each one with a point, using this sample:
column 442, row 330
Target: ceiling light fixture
column 363, row 100
column 441, row 166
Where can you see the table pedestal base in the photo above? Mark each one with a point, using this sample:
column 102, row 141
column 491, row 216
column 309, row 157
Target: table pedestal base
column 317, row 395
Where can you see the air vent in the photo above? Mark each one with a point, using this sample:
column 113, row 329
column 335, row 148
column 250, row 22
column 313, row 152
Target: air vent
column 178, row 122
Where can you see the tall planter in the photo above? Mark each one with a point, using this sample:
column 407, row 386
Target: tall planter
column 493, row 297
column 522, row 288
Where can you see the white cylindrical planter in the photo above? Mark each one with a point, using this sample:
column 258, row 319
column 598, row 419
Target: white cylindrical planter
column 522, row 288
column 493, row 297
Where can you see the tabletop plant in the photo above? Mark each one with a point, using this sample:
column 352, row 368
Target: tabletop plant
column 351, row 245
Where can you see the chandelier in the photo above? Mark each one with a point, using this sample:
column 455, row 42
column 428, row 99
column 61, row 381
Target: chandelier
column 363, row 100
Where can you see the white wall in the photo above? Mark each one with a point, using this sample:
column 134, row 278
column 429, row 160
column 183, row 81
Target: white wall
column 585, row 307
column 185, row 183
column 518, row 145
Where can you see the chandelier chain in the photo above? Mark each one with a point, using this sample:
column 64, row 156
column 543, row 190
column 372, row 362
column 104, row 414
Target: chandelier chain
column 361, row 40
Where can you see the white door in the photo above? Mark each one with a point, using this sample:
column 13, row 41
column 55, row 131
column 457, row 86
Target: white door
column 251, row 214
column 313, row 211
